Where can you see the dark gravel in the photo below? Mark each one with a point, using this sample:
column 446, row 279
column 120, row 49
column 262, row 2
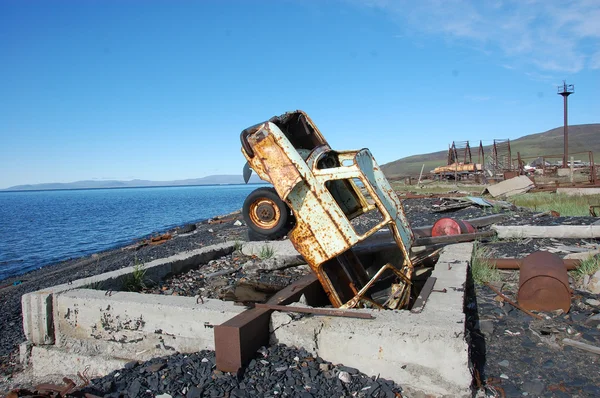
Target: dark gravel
column 524, row 356
column 275, row 371
column 245, row 278
column 522, row 247
column 419, row 212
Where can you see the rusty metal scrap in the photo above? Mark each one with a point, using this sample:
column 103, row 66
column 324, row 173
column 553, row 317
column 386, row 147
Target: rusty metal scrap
column 237, row 339
column 315, row 311
column 159, row 240
column 515, row 263
column 49, row 390
column 449, row 226
column 509, row 301
column 326, row 189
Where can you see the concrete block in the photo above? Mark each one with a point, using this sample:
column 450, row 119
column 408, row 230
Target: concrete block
column 50, row 363
column 37, row 317
column 283, row 248
column 425, row 352
column 37, row 306
column 136, row 326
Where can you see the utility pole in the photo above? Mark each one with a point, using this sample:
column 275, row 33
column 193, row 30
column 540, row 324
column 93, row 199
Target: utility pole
column 565, row 90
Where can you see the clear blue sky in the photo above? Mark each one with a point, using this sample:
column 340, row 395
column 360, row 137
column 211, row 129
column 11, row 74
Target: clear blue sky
column 161, row 89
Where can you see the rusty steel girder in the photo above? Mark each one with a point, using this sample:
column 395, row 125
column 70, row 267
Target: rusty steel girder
column 326, row 190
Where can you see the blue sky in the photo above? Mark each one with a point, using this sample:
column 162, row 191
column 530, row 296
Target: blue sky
column 161, row 89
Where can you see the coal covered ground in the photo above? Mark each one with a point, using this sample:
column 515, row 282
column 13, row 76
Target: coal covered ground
column 277, row 371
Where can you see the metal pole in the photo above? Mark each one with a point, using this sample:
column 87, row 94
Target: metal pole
column 566, row 133
column 565, row 90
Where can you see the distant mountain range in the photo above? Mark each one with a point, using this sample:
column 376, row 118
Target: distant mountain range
column 582, row 137
column 92, row 184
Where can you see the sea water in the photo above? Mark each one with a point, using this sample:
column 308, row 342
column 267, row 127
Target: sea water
column 38, row 228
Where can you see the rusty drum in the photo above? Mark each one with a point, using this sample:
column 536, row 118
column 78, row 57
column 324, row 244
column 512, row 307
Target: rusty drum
column 449, row 226
column 544, row 283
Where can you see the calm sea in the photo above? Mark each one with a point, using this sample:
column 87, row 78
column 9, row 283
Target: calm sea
column 44, row 227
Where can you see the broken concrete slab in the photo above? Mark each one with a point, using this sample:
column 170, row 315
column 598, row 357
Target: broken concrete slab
column 594, row 283
column 513, row 186
column 425, row 352
column 50, row 363
column 280, row 248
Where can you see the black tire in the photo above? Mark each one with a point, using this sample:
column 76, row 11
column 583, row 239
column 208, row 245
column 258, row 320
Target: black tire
column 266, row 215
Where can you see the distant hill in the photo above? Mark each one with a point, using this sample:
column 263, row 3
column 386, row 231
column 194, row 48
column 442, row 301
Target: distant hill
column 91, row 184
column 582, row 137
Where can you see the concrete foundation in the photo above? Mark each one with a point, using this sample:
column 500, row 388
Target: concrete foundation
column 71, row 327
column 37, row 306
column 425, row 352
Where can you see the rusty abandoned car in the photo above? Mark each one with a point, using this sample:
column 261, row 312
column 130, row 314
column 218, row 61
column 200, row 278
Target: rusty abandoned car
column 318, row 193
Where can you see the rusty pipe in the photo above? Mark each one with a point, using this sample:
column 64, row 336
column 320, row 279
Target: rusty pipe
column 515, row 263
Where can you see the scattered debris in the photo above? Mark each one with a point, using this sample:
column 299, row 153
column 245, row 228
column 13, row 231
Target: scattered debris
column 513, row 186
column 159, row 240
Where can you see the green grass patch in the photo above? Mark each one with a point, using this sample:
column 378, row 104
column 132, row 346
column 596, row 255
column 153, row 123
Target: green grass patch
column 237, row 246
column 564, row 204
column 136, row 281
column 588, row 266
column 266, row 252
column 481, row 269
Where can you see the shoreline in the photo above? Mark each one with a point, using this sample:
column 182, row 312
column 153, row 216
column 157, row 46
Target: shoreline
column 116, row 245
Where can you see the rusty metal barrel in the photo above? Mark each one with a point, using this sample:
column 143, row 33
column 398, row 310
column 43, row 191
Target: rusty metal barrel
column 449, row 226
column 544, row 283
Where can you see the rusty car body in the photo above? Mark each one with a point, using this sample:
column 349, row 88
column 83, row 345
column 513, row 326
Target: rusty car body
column 327, row 192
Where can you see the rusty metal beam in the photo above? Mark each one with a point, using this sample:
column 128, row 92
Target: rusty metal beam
column 453, row 238
column 423, row 295
column 515, row 263
column 317, row 311
column 509, row 301
column 238, row 339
